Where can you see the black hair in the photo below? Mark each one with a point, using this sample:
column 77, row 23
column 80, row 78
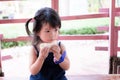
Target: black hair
column 44, row 15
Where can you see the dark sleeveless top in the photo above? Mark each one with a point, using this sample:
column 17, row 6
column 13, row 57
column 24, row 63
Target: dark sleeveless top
column 49, row 70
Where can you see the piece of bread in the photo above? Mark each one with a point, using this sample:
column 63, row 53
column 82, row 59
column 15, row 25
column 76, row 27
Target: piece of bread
column 42, row 45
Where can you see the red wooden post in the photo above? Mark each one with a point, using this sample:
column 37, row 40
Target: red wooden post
column 55, row 5
column 112, row 28
column 1, row 73
column 113, row 40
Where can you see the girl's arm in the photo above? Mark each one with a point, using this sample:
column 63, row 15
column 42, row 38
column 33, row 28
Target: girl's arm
column 66, row 63
column 36, row 63
column 58, row 51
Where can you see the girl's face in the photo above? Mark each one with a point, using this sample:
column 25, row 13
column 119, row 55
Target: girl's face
column 48, row 34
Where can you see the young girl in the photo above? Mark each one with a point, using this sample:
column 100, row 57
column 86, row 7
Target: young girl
column 48, row 59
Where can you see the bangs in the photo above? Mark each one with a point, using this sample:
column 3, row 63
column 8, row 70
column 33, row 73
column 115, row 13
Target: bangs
column 48, row 16
column 53, row 23
column 53, row 20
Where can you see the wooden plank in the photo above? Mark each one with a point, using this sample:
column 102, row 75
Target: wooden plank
column 84, row 37
column 87, row 16
column 102, row 28
column 10, row 21
column 6, row 57
column 98, row 48
column 104, row 10
column 64, row 37
column 101, row 48
column 94, row 77
column 1, row 36
column 20, row 38
column 7, row 0
column 74, row 77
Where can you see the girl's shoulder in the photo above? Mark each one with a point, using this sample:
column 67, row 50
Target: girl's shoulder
column 35, row 49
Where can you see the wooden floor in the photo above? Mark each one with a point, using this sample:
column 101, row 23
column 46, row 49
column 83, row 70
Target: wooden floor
column 94, row 77
column 74, row 77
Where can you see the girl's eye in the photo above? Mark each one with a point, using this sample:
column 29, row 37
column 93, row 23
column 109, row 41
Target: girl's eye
column 47, row 31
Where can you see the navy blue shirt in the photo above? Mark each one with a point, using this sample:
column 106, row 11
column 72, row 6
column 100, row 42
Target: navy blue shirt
column 49, row 70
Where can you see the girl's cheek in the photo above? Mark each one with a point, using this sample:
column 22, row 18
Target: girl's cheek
column 57, row 35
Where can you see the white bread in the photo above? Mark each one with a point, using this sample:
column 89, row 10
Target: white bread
column 42, row 45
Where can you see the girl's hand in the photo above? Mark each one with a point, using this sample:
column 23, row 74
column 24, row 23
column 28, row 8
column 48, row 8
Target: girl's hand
column 44, row 52
column 56, row 52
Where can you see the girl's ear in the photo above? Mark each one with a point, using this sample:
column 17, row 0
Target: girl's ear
column 38, row 34
column 59, row 31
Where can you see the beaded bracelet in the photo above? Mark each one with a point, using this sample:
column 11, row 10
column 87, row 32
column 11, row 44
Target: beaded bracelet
column 61, row 58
